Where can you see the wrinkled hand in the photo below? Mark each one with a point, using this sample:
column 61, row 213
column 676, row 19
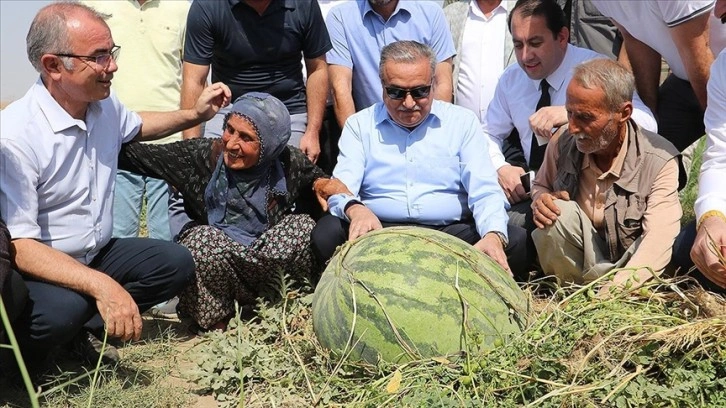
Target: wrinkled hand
column 547, row 118
column 509, row 180
column 118, row 310
column 326, row 187
column 212, row 99
column 362, row 220
column 544, row 210
column 310, row 145
column 703, row 254
column 492, row 246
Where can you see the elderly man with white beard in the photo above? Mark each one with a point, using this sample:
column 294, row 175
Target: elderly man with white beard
column 606, row 195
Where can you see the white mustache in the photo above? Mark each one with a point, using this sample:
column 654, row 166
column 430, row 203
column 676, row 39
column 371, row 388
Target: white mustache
column 414, row 109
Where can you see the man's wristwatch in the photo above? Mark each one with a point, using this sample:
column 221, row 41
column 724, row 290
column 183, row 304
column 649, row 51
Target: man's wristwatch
column 502, row 238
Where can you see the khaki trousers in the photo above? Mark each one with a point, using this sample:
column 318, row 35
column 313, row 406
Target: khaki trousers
column 572, row 250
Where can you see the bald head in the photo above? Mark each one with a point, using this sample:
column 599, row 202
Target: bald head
column 49, row 33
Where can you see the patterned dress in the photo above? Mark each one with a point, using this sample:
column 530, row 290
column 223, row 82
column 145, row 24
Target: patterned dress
column 227, row 271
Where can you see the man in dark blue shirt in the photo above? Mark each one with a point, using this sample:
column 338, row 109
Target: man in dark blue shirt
column 257, row 45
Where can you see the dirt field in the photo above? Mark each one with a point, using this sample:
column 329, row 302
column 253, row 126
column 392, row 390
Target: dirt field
column 158, row 364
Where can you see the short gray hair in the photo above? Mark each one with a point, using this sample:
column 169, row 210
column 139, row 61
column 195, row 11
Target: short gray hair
column 48, row 32
column 406, row 51
column 614, row 79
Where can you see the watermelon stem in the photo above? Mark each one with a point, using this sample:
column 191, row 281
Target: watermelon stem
column 412, row 354
column 465, row 327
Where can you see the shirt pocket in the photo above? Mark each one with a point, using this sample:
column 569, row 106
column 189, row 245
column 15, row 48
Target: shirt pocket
column 630, row 218
column 167, row 39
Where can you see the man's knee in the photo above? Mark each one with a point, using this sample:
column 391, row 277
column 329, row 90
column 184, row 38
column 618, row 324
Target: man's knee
column 565, row 228
column 569, row 213
column 179, row 266
column 52, row 316
column 520, row 215
column 163, row 269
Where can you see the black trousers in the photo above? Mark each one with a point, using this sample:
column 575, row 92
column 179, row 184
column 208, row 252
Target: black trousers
column 151, row 270
column 14, row 296
column 331, row 231
column 682, row 258
column 329, row 137
column 680, row 116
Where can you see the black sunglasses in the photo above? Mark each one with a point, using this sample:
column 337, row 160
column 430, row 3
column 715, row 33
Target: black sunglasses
column 419, row 92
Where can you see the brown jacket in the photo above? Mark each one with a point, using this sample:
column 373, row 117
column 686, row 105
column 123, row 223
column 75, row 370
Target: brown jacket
column 625, row 201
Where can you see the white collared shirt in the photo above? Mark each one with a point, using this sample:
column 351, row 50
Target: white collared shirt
column 57, row 173
column 482, row 58
column 711, row 190
column 650, row 22
column 515, row 100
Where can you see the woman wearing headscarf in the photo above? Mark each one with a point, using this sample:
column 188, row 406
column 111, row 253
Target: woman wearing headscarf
column 240, row 190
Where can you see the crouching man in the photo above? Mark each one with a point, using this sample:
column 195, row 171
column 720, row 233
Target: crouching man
column 58, row 161
column 607, row 194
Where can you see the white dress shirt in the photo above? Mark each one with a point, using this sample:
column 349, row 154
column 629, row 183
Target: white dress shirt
column 711, row 187
column 481, row 58
column 516, row 96
column 57, row 173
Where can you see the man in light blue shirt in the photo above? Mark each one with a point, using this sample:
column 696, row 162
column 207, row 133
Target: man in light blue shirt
column 358, row 31
column 411, row 160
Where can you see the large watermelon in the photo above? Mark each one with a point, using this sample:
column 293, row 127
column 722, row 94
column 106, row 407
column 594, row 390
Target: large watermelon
column 407, row 293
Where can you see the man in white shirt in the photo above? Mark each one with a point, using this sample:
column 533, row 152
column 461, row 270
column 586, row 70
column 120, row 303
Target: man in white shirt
column 709, row 232
column 483, row 49
column 684, row 34
column 530, row 98
column 588, row 28
column 58, row 160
